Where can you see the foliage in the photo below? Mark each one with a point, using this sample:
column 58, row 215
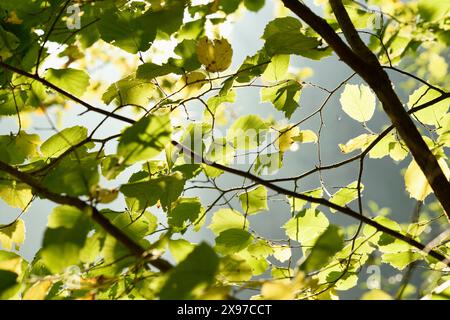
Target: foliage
column 129, row 201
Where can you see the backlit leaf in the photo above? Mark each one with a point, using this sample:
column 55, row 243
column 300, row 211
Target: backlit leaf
column 358, row 102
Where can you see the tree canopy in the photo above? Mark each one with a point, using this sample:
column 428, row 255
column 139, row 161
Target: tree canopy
column 158, row 162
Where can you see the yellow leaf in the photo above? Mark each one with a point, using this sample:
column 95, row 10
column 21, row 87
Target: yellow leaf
column 194, row 81
column 358, row 102
column 360, row 142
column 277, row 290
column 215, row 55
column 107, row 196
column 13, row 234
column 13, row 265
column 376, row 294
column 285, row 138
column 38, row 291
column 416, row 183
column 306, row 136
column 13, row 18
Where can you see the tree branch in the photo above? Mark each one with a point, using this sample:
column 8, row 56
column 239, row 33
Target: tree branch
column 104, row 222
column 380, row 83
column 247, row 175
column 347, row 211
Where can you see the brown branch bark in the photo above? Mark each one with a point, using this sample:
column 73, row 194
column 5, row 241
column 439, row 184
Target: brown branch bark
column 104, row 222
column 365, row 63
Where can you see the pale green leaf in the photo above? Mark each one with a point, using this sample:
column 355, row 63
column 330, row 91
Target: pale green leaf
column 145, row 139
column 254, row 201
column 71, row 80
column 59, row 143
column 358, row 102
column 306, row 226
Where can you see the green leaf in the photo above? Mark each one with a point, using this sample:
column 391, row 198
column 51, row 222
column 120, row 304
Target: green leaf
column 135, row 224
column 184, row 210
column 192, row 29
column 400, row 260
column 145, row 139
column 187, row 51
column 281, row 25
column 247, row 132
column 260, row 248
column 15, row 194
column 220, row 151
column 130, row 91
column 65, row 236
column 254, row 201
column 116, row 255
column 346, row 194
column 224, row 219
column 253, row 66
column 389, row 145
column 416, row 184
column 254, row 5
column 433, row 114
column 180, row 249
column 358, row 102
column 127, row 30
column 71, row 80
column 376, row 294
column 8, row 284
column 360, row 142
column 328, row 243
column 150, row 70
column 13, row 234
column 298, row 204
column 194, row 273
column 431, row 10
column 74, row 176
column 284, row 96
column 259, row 265
column 233, row 240
column 8, row 43
column 306, row 226
column 386, row 243
column 284, row 36
column 92, row 248
column 268, row 164
column 57, row 144
column 167, row 189
column 17, row 149
column 235, row 269
column 277, row 68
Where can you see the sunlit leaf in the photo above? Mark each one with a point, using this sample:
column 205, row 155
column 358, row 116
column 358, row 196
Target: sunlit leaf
column 346, row 194
column 12, row 235
column 71, row 80
column 195, row 273
column 145, row 139
column 254, row 201
column 59, row 143
column 233, row 241
column 417, row 184
column 358, row 102
column 306, row 226
column 225, row 219
column 215, row 54
column 433, row 114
